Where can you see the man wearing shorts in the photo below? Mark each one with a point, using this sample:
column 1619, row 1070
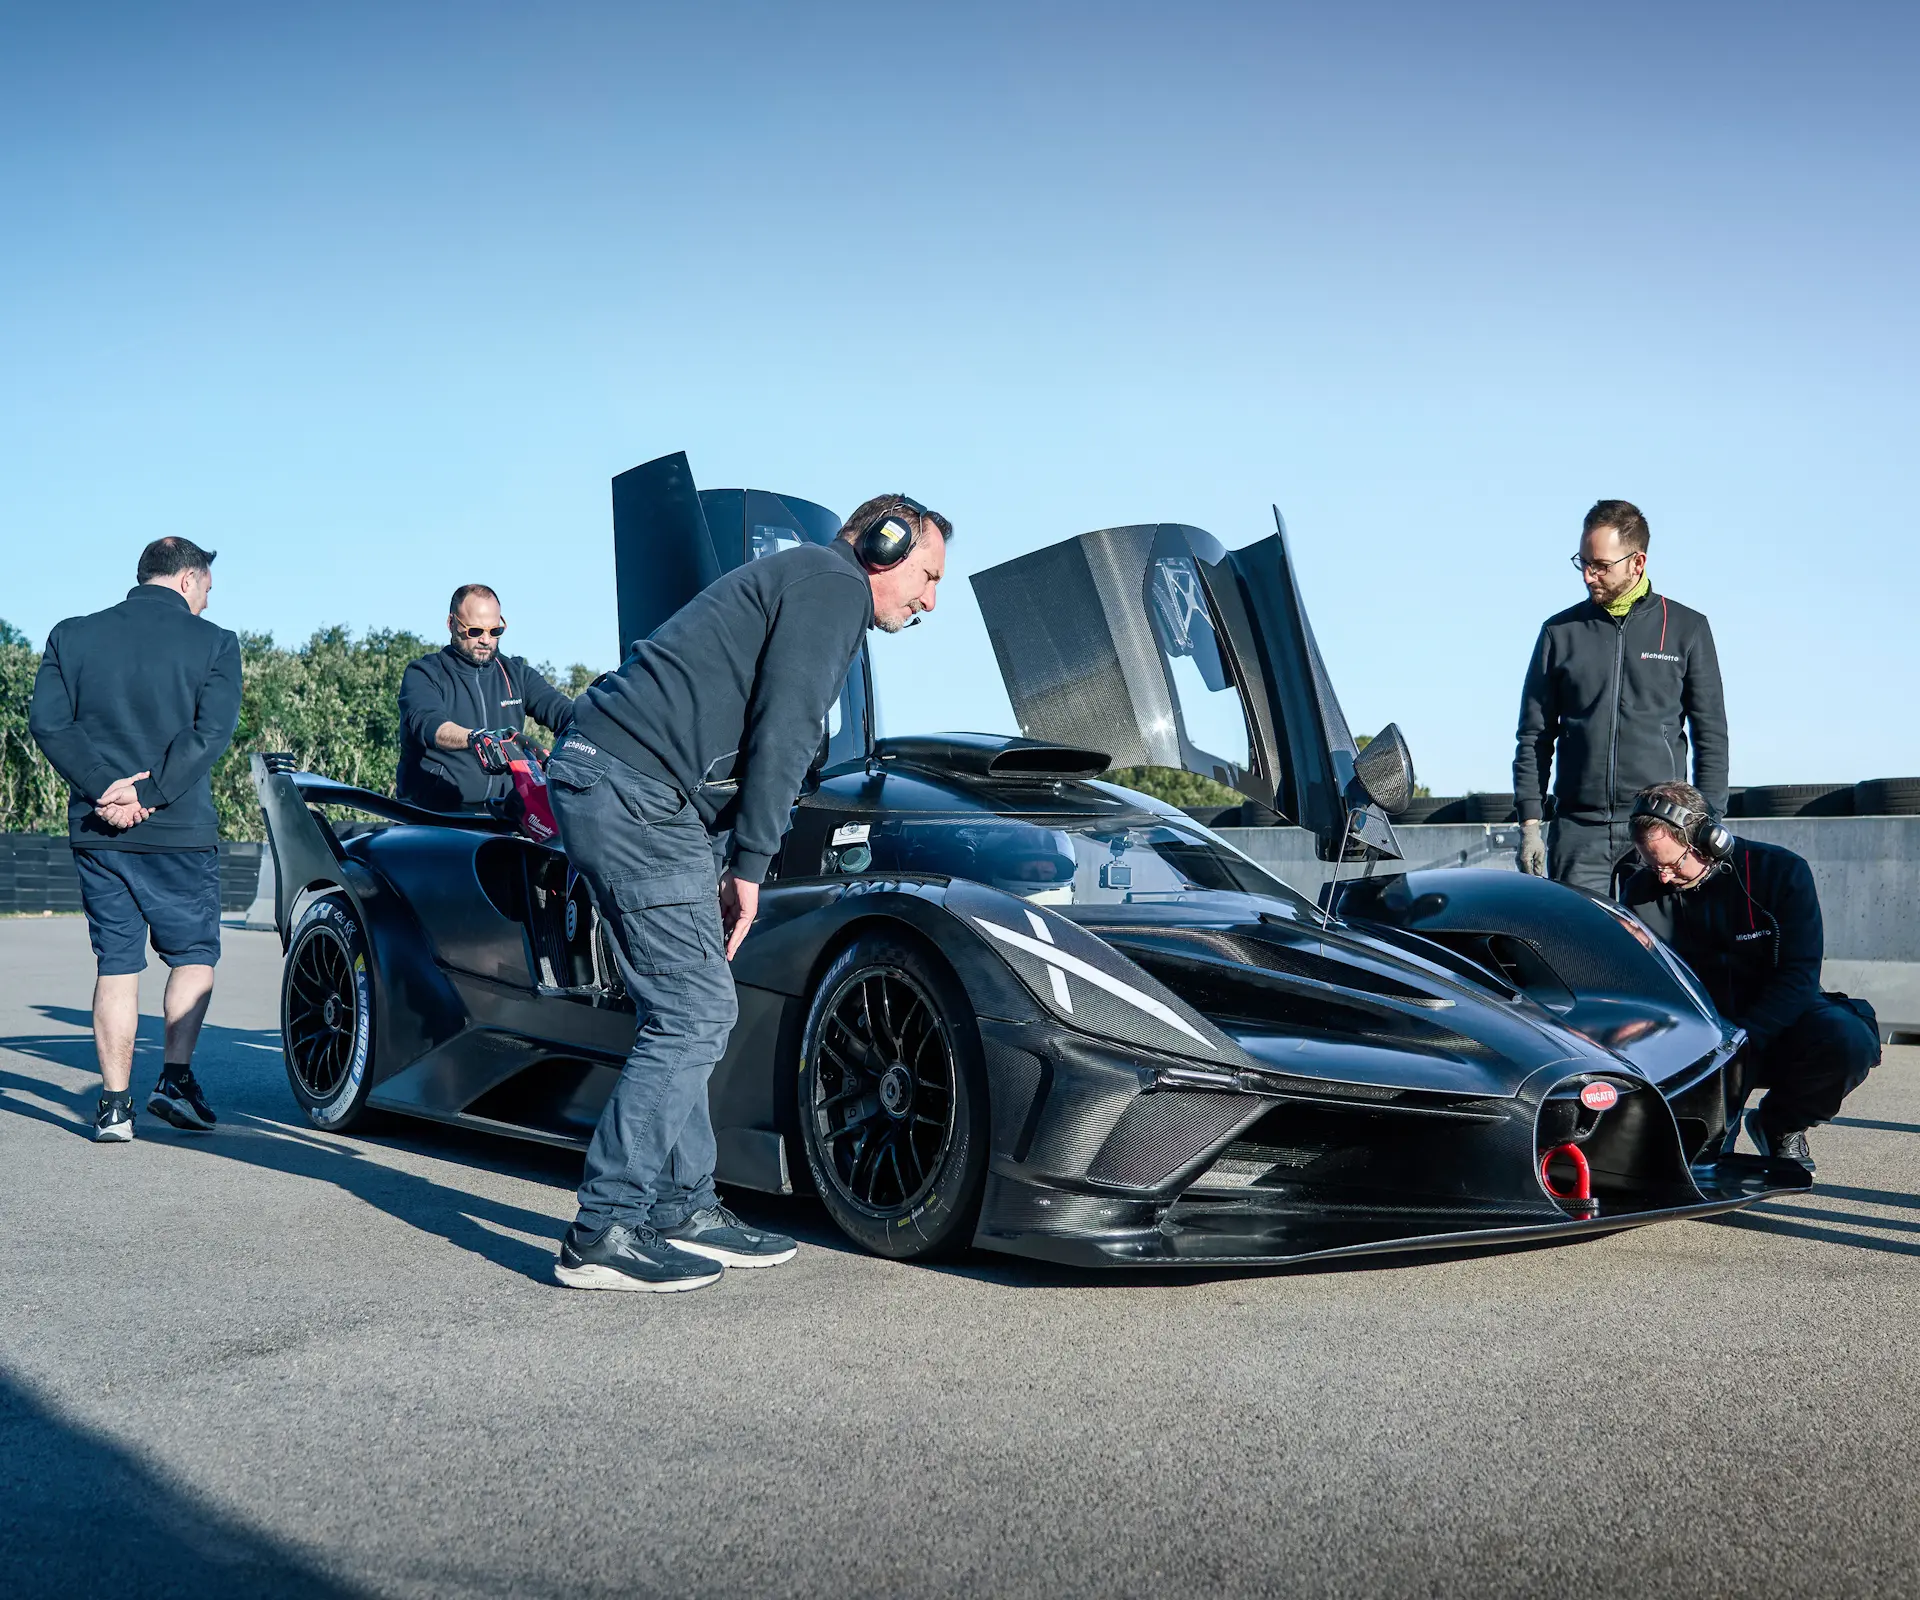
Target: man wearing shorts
column 132, row 706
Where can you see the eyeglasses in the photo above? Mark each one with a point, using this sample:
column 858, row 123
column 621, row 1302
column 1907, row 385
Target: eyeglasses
column 491, row 633
column 1601, row 566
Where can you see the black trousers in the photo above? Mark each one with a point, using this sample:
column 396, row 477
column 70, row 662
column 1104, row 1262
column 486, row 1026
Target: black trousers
column 1813, row 1065
column 1583, row 853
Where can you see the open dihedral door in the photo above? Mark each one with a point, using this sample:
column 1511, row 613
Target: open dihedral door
column 671, row 539
column 1159, row 645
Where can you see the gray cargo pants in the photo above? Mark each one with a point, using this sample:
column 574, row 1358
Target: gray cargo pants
column 651, row 868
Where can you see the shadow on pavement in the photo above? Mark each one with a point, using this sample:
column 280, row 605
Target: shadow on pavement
column 1870, row 1122
column 1769, row 1218
column 87, row 1517
column 458, row 1216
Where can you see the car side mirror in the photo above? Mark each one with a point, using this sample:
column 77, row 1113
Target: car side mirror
column 1385, row 770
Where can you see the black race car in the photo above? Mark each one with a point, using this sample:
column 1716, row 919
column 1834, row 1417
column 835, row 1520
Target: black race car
column 993, row 1000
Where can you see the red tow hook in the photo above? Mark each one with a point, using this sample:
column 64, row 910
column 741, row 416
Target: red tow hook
column 1581, row 1201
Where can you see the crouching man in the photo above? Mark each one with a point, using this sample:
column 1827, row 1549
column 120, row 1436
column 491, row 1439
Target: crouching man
column 1745, row 917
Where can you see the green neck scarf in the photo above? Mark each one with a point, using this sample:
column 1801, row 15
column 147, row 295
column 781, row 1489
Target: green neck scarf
column 1627, row 601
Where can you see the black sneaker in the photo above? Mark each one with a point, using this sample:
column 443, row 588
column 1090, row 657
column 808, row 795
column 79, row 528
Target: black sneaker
column 619, row 1257
column 178, row 1099
column 719, row 1235
column 1784, row 1146
column 113, row 1118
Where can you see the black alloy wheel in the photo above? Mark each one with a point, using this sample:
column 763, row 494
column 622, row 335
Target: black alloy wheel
column 892, row 1100
column 326, row 1013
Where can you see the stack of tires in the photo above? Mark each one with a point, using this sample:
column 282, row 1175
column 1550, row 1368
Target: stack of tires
column 1887, row 797
column 1873, row 797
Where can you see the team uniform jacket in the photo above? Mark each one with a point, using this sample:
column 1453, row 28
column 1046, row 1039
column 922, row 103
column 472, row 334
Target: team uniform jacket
column 1608, row 707
column 144, row 686
column 1751, row 933
column 728, row 699
column 446, row 687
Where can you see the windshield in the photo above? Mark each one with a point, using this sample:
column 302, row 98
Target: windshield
column 1069, row 862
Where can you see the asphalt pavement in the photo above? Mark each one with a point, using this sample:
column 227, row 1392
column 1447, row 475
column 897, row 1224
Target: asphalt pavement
column 278, row 1362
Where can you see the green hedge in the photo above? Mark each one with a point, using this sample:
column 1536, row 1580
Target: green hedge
column 333, row 703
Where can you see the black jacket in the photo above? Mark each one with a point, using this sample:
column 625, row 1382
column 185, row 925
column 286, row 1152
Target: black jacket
column 1604, row 707
column 144, row 686
column 728, row 699
column 1751, row 933
column 446, row 687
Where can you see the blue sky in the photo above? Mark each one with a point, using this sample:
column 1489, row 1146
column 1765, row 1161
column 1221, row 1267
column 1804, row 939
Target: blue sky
column 376, row 300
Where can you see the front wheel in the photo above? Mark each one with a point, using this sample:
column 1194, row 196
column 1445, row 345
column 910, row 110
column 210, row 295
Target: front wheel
column 326, row 1013
column 893, row 1100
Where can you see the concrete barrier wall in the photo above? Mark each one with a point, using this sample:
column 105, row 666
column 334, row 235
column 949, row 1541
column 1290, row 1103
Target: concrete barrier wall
column 37, row 874
column 1867, row 870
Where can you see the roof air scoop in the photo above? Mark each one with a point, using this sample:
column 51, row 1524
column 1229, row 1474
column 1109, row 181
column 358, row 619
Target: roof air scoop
column 988, row 755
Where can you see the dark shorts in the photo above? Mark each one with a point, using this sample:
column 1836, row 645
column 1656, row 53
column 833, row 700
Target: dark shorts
column 175, row 894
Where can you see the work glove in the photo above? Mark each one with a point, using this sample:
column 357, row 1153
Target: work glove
column 1532, row 855
column 493, row 748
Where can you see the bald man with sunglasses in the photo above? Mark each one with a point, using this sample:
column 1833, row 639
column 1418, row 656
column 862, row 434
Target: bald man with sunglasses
column 452, row 701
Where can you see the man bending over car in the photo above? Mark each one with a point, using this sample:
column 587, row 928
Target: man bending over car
column 737, row 682
column 1745, row 917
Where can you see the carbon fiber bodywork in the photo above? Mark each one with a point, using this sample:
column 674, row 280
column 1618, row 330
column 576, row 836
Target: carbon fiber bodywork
column 1227, row 1079
column 1198, row 1066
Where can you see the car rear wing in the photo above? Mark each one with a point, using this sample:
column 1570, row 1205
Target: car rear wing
column 303, row 845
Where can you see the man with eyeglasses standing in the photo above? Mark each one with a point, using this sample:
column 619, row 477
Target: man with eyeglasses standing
column 1618, row 690
column 457, row 700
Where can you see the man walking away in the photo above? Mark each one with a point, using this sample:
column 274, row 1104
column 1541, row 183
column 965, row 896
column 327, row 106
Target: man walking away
column 1746, row 918
column 457, row 700
column 1615, row 687
column 736, row 685
column 133, row 705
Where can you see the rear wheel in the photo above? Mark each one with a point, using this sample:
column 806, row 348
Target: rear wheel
column 893, row 1101
column 326, row 1013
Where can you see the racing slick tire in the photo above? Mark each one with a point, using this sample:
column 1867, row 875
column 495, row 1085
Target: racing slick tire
column 892, row 1100
column 326, row 1014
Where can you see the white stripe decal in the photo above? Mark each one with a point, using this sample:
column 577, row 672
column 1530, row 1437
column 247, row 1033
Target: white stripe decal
column 1061, row 963
column 1060, row 994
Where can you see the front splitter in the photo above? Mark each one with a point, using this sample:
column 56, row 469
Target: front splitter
column 1206, row 1235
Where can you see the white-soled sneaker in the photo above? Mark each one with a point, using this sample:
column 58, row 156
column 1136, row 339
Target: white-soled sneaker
column 619, row 1257
column 113, row 1119
column 719, row 1235
column 177, row 1099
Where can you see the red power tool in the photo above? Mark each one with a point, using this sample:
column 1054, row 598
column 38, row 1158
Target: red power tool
column 502, row 750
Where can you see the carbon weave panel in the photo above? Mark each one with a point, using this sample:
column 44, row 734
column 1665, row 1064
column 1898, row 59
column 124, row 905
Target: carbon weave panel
column 1158, row 1134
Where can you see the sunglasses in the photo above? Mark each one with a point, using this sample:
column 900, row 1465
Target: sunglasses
column 491, row 633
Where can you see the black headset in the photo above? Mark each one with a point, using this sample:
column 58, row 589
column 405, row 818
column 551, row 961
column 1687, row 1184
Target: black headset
column 1706, row 835
column 887, row 539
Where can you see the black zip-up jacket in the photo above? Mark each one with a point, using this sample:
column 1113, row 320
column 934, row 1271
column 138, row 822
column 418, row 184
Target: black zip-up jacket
column 728, row 699
column 446, row 687
column 1608, row 705
column 144, row 686
column 1751, row 933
